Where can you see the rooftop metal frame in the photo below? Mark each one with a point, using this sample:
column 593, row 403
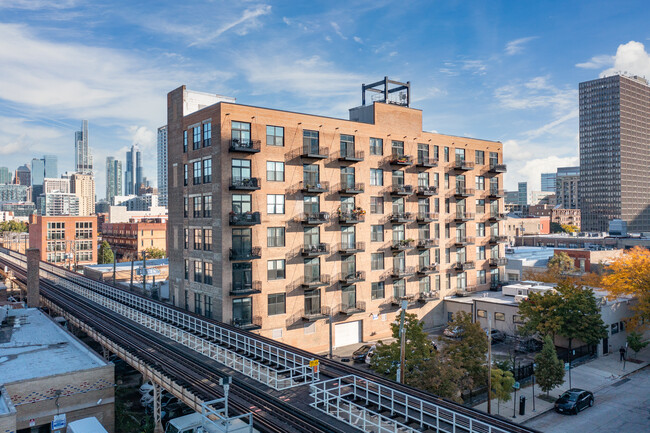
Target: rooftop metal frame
column 386, row 91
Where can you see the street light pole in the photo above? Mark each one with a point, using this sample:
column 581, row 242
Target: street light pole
column 114, row 260
column 489, row 335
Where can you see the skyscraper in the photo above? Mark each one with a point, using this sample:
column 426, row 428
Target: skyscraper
column 522, row 189
column 5, row 175
column 113, row 178
column 38, row 174
column 566, row 187
column 83, row 186
column 51, row 166
column 162, row 165
column 23, row 175
column 82, row 157
column 615, row 153
column 548, row 182
column 133, row 176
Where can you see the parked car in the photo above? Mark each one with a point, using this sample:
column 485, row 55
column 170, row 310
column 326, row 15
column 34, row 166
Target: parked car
column 452, row 332
column 497, row 336
column 362, row 353
column 145, row 388
column 528, row 345
column 574, row 400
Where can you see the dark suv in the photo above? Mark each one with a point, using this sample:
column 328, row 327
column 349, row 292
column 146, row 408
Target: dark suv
column 574, row 400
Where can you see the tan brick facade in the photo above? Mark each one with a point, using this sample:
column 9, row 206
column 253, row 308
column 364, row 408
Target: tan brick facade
column 435, row 248
column 64, row 240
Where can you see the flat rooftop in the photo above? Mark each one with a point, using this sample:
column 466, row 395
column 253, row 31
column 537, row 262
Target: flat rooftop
column 121, row 266
column 35, row 346
column 531, row 256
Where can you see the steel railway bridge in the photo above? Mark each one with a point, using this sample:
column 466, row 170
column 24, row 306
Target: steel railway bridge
column 273, row 385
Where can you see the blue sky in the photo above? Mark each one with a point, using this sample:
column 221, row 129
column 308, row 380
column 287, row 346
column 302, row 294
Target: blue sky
column 499, row 70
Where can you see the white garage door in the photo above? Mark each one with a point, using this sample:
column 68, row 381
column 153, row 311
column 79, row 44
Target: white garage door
column 347, row 333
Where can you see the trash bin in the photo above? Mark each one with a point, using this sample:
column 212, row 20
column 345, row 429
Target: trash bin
column 522, row 405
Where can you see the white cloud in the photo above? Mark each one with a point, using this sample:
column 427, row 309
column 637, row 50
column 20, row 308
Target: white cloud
column 517, row 46
column 530, row 170
column 551, row 127
column 537, row 93
column 337, row 30
column 358, row 40
column 143, row 136
column 37, row 4
column 597, row 62
column 631, row 58
column 242, row 25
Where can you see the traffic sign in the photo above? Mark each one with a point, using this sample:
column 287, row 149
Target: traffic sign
column 148, row 271
column 58, row 422
column 516, row 385
column 566, row 365
column 313, row 363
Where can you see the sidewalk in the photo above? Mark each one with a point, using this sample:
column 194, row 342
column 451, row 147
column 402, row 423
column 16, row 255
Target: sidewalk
column 591, row 376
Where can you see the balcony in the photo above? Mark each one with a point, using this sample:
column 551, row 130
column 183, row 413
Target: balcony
column 315, row 218
column 462, row 165
column 351, row 156
column 425, row 244
column 406, row 271
column 311, row 281
column 426, row 217
column 462, row 241
column 244, row 219
column 351, row 188
column 250, row 253
column 348, row 248
column 496, row 216
column 397, row 300
column 403, row 160
column 496, row 193
column 401, row 190
column 314, row 187
column 242, row 289
column 315, row 250
column 426, row 191
column 428, row 269
column 351, row 278
column 497, row 168
column 466, row 290
column 402, row 245
column 493, row 240
column 352, row 308
column 314, row 152
column 244, row 183
column 428, row 296
column 463, row 266
column 316, row 314
column 402, row 217
column 462, row 192
column 352, row 217
column 463, row 216
column 426, row 162
column 499, row 261
column 247, row 323
column 247, row 146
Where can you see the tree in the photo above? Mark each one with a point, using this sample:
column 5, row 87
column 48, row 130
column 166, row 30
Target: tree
column 560, row 263
column 155, row 253
column 469, row 350
column 439, row 376
column 556, row 228
column 418, row 349
column 13, row 226
column 105, row 255
column 502, row 382
column 569, row 228
column 549, row 371
column 635, row 341
column 540, row 313
column 630, row 276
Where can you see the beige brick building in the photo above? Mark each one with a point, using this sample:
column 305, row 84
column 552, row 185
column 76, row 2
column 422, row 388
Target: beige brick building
column 278, row 220
column 83, row 186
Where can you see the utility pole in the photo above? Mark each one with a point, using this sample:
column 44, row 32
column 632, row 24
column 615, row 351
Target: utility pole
column 144, row 272
column 114, row 260
column 402, row 346
column 489, row 336
column 131, row 285
column 330, row 322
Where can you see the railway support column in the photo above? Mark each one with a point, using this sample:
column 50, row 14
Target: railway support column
column 157, row 417
column 33, row 279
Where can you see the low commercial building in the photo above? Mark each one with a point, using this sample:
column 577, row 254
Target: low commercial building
column 524, row 260
column 522, row 226
column 121, row 214
column 131, row 238
column 591, row 260
column 47, row 372
column 65, row 240
column 557, row 214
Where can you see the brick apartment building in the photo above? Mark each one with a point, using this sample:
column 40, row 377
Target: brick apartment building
column 67, row 241
column 129, row 239
column 279, row 219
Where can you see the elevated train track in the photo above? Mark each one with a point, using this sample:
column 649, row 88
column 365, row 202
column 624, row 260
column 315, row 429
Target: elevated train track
column 290, row 361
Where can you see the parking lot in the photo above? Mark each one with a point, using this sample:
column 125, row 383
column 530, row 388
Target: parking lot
column 621, row 407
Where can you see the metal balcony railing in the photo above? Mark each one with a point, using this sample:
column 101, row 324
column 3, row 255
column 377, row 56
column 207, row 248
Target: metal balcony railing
column 245, row 253
column 315, row 280
column 427, row 217
column 496, row 192
column 424, row 244
column 241, row 289
column 463, row 266
column 402, row 272
column 499, row 261
column 249, row 146
column 351, row 247
column 316, row 314
column 462, row 191
column 497, row 216
column 497, row 168
column 245, row 183
column 402, row 217
column 463, row 240
column 351, row 188
column 401, row 190
column 428, row 269
column 463, row 165
column 314, row 186
column 352, row 217
column 244, row 219
column 430, row 295
column 315, row 153
column 426, row 162
column 351, row 278
column 351, row 155
column 314, row 218
column 397, row 300
column 315, row 250
column 247, row 322
column 463, row 216
column 496, row 239
column 401, row 159
column 402, row 244
column 427, row 190
column 351, row 308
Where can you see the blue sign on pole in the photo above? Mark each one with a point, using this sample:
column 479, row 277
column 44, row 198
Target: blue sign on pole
column 58, row 422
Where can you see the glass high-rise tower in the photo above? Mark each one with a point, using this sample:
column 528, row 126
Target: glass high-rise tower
column 82, row 158
column 113, row 178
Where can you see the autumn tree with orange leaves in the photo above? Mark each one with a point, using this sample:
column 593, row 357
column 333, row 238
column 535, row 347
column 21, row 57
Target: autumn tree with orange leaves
column 630, row 275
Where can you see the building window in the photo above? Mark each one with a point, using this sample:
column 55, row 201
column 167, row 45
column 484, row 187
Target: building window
column 479, row 157
column 208, row 306
column 186, row 238
column 274, row 136
column 275, row 171
column 186, row 174
column 480, row 183
column 187, row 269
column 207, row 170
column 207, row 206
column 197, row 272
column 614, row 328
column 187, row 300
column 517, row 319
column 376, row 261
column 446, row 153
column 198, row 237
column 197, row 206
column 207, row 273
column 275, row 269
column 275, row 204
column 197, row 173
column 277, row 304
column 196, row 143
column 500, row 317
column 207, row 134
column 197, row 303
column 397, row 148
column 481, row 313
column 377, row 233
column 241, row 132
column 186, row 207
column 275, row 236
column 376, row 177
column 376, row 146
column 207, row 239
column 185, row 141
column 310, row 141
column 241, row 203
column 377, row 205
column 377, row 290
column 480, row 277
